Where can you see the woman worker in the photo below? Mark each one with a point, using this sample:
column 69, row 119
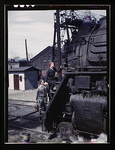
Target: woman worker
column 50, row 75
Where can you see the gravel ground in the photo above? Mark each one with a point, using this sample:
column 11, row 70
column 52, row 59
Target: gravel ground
column 22, row 95
column 15, row 135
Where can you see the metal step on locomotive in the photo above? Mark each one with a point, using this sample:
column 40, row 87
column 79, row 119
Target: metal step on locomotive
column 80, row 101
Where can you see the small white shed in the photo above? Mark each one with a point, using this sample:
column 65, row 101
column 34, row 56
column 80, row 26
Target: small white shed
column 23, row 78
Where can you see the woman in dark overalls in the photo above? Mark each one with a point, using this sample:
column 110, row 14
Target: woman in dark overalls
column 50, row 75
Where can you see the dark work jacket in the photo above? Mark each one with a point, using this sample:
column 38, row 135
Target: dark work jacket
column 50, row 74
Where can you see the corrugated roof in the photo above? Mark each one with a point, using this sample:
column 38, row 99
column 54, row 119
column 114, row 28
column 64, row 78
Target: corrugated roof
column 21, row 69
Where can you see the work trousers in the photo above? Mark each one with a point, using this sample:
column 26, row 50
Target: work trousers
column 51, row 84
column 42, row 100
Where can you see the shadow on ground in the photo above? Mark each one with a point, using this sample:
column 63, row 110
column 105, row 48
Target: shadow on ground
column 30, row 121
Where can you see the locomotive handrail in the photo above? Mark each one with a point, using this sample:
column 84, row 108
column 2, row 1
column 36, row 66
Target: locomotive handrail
column 86, row 73
column 91, row 60
column 97, row 52
column 82, row 36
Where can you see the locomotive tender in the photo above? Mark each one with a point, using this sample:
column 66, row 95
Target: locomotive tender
column 80, row 101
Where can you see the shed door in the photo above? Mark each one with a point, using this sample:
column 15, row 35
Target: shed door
column 16, row 82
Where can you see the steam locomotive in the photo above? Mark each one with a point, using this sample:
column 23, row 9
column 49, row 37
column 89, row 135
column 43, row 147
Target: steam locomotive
column 80, row 102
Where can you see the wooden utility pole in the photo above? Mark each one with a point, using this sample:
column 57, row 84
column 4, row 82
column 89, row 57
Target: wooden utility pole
column 58, row 44
column 53, row 49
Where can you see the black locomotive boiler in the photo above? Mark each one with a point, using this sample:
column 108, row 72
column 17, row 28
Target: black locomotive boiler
column 80, row 101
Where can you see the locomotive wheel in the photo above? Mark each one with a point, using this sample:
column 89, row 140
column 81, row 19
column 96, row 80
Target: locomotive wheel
column 65, row 130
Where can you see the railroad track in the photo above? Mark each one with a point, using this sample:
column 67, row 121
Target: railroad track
column 22, row 102
column 36, row 130
column 34, row 124
column 40, row 132
column 23, row 117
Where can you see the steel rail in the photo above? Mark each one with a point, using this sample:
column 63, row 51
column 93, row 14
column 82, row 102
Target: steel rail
column 21, row 100
column 21, row 104
column 42, row 133
column 17, row 117
column 29, row 129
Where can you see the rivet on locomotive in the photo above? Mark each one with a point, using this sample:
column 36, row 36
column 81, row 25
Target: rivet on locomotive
column 80, row 101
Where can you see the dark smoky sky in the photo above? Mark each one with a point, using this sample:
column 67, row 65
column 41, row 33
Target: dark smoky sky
column 37, row 27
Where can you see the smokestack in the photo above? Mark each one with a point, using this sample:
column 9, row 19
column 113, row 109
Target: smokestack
column 88, row 12
column 87, row 16
column 26, row 51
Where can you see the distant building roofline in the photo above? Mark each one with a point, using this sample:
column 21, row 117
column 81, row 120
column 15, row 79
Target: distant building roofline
column 36, row 56
column 9, row 61
column 21, row 69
